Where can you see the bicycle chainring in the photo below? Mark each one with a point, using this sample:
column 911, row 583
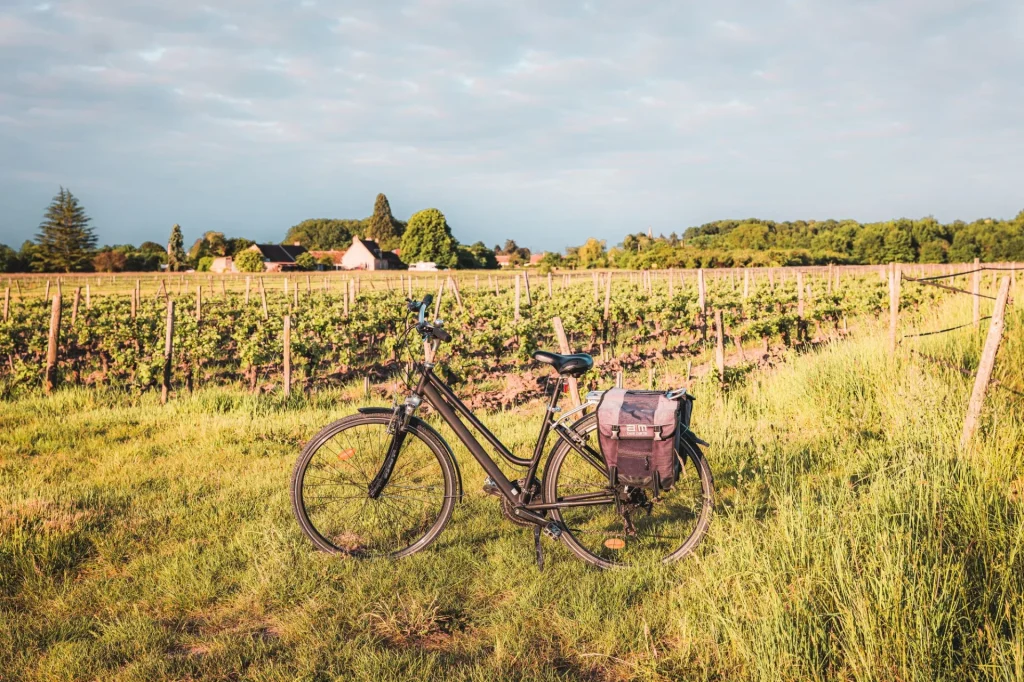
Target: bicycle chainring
column 507, row 508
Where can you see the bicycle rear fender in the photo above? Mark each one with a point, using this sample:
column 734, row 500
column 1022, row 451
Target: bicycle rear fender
column 426, row 427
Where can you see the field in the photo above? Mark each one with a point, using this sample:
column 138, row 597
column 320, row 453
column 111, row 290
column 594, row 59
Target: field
column 853, row 539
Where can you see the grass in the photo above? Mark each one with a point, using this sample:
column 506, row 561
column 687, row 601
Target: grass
column 852, row 541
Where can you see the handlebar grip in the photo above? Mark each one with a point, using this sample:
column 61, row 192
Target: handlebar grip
column 442, row 335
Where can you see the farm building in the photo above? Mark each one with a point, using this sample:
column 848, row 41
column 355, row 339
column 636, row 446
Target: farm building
column 279, row 257
column 223, row 264
column 334, row 255
column 365, row 254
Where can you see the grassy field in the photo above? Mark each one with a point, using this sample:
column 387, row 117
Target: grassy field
column 852, row 541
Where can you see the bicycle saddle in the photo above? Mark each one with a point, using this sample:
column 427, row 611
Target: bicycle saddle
column 570, row 365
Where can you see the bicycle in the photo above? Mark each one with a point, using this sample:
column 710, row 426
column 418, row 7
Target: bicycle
column 384, row 483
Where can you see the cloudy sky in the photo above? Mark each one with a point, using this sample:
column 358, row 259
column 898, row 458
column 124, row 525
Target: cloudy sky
column 542, row 120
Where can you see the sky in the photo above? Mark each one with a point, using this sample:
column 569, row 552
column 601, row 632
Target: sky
column 538, row 120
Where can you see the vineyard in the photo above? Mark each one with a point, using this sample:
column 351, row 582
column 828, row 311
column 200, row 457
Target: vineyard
column 114, row 332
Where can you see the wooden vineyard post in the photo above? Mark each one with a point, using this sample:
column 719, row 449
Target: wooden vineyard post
column 135, row 303
column 437, row 302
column 551, row 291
column 497, row 291
column 702, row 304
column 50, row 378
column 344, row 299
column 516, row 318
column 563, row 346
column 223, row 288
column 596, row 289
column 618, row 378
column 46, row 296
column 74, row 304
column 88, row 297
column 988, row 360
column 455, row 290
column 895, row 279
column 746, row 283
column 800, row 294
column 287, row 355
column 263, row 300
column 671, row 285
column 247, row 282
column 719, row 345
column 526, row 284
column 295, row 296
column 199, row 303
column 828, row 284
column 7, row 303
column 608, row 297
column 309, row 287
column 976, row 290
column 165, row 387
column 352, row 284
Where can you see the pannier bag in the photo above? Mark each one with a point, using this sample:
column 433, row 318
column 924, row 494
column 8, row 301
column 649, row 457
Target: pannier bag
column 639, row 434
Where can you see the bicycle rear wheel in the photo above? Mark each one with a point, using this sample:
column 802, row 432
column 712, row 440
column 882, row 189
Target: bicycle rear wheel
column 329, row 489
column 665, row 530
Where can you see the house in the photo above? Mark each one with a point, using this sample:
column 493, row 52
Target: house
column 536, row 258
column 503, row 260
column 335, row 256
column 424, row 266
column 365, row 254
column 279, row 257
column 223, row 264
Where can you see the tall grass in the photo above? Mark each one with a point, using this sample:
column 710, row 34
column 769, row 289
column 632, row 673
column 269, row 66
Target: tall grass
column 852, row 541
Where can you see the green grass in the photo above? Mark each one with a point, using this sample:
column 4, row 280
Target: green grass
column 852, row 541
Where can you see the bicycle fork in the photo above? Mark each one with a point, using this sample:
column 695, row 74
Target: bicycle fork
column 398, row 429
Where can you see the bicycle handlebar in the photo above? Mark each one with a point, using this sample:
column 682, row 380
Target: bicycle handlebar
column 422, row 326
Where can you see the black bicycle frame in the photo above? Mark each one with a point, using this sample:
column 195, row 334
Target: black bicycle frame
column 448, row 405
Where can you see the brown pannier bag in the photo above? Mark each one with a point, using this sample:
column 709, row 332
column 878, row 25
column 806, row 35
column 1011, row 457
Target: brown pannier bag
column 639, row 434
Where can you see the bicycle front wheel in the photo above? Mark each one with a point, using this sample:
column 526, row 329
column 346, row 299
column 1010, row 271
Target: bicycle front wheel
column 330, row 484
column 638, row 530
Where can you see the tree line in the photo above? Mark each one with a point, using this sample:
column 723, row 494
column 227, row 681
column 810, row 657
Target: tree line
column 67, row 243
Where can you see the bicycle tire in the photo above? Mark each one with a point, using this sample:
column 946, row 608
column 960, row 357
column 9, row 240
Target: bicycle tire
column 416, row 432
column 694, row 462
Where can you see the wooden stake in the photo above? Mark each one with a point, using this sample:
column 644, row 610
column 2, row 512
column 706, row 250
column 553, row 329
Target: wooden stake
column 895, row 279
column 701, row 291
column 287, row 355
column 800, row 294
column 563, row 345
column 746, row 284
column 7, row 303
column 88, row 297
column 74, row 305
column 516, row 318
column 976, row 290
column 135, row 303
column 165, row 387
column 550, row 290
column 719, row 345
column 46, row 296
column 199, row 303
column 263, row 300
column 455, row 290
column 50, row 376
column 596, row 294
column 437, row 301
column 608, row 296
column 526, row 283
column 988, row 360
column 247, row 281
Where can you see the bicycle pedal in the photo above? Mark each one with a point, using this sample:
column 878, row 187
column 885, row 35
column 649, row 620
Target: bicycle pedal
column 491, row 488
column 553, row 530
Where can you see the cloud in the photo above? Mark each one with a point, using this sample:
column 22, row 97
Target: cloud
column 511, row 117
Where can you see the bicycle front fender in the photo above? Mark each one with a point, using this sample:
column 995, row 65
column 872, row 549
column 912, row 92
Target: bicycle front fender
column 433, row 432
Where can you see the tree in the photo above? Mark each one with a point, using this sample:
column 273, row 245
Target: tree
column 249, row 261
column 109, row 261
column 325, row 234
column 592, row 254
column 10, row 261
column 176, row 258
column 327, row 261
column 382, row 226
column 204, row 264
column 65, row 241
column 305, row 261
column 429, row 238
column 238, row 244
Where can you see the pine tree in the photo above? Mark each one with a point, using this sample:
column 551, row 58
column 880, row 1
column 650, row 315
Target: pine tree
column 429, row 238
column 176, row 258
column 65, row 242
column 382, row 226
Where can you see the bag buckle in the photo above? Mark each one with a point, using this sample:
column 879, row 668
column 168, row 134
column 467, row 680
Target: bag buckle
column 615, row 432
